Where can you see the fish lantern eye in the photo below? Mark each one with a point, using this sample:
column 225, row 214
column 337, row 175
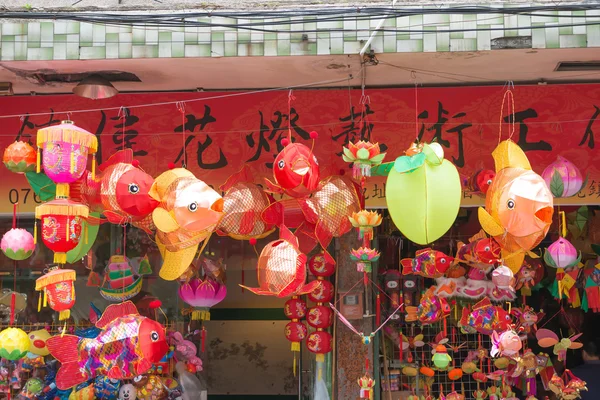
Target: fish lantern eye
column 134, row 188
column 443, row 261
column 489, row 181
column 281, row 164
column 138, row 379
column 486, row 248
column 510, row 204
column 193, row 207
column 154, row 336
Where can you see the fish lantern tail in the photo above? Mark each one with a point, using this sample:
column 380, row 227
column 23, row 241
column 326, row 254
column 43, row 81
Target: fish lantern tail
column 65, row 349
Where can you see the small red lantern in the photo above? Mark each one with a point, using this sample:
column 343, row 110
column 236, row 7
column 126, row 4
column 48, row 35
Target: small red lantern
column 295, row 308
column 59, row 291
column 319, row 342
column 323, row 293
column 61, row 226
column 321, row 265
column 320, row 317
column 295, row 332
column 19, row 157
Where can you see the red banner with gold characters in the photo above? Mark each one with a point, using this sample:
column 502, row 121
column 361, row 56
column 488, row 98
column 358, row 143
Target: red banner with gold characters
column 224, row 131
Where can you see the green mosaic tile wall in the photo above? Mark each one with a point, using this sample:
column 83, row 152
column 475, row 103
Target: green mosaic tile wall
column 61, row 40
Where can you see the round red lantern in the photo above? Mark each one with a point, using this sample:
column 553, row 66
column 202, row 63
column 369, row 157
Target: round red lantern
column 61, row 226
column 321, row 265
column 319, row 342
column 295, row 308
column 295, row 332
column 323, row 293
column 320, row 317
column 19, row 157
column 59, row 290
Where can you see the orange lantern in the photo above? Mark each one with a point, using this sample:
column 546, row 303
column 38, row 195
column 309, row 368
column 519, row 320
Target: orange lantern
column 61, row 226
column 59, row 291
column 19, row 157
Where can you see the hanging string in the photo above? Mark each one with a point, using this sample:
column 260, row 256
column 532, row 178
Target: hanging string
column 181, row 109
column 510, row 100
column 123, row 114
column 413, row 75
column 291, row 98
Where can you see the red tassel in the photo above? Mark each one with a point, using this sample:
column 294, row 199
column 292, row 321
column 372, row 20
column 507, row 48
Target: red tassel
column 203, row 336
column 15, row 215
column 365, row 279
column 378, row 311
column 13, row 299
column 367, row 363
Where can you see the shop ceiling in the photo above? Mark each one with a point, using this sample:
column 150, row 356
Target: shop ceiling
column 237, row 73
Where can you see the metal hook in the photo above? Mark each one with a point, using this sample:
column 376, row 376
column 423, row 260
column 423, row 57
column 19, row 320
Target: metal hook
column 180, row 106
column 123, row 112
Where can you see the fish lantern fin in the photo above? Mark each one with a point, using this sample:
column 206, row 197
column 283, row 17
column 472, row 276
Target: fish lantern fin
column 115, row 311
column 513, row 261
column 242, row 175
column 489, row 224
column 272, row 187
column 163, row 220
column 65, row 349
column 122, row 156
column 509, row 155
column 288, row 236
column 309, row 287
column 258, row 291
column 143, row 366
column 176, row 262
column 114, row 217
column 479, row 235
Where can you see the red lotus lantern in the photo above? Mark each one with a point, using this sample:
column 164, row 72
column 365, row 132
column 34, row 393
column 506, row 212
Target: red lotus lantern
column 59, row 291
column 19, row 157
column 61, row 226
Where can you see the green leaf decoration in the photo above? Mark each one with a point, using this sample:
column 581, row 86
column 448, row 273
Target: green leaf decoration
column 377, row 159
column 348, row 156
column 145, row 267
column 406, row 164
column 430, row 155
column 42, row 185
column 362, row 154
column 581, row 217
column 82, row 247
column 549, row 260
column 18, row 255
column 382, row 169
column 557, row 186
column 21, row 166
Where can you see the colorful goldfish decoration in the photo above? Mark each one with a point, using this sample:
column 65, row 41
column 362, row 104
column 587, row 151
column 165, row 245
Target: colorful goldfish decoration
column 188, row 213
column 428, row 263
column 120, row 191
column 296, row 171
column 432, row 308
column 127, row 346
column 282, row 268
column 518, row 206
column 481, row 252
column 485, row 318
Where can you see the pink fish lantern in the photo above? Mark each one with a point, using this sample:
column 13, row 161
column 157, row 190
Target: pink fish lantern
column 503, row 278
column 562, row 254
column 202, row 294
column 65, row 151
column 563, row 178
column 507, row 343
column 17, row 244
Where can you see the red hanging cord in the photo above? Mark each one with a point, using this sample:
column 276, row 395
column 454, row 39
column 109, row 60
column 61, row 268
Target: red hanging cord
column 181, row 109
column 378, row 311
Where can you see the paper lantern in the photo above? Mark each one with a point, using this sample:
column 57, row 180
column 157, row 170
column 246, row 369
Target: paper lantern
column 19, row 157
column 61, row 226
column 65, row 151
column 423, row 194
column 295, row 332
column 563, row 178
column 562, row 254
column 320, row 317
column 282, row 268
column 321, row 265
column 365, row 221
column 14, row 344
column 366, row 384
column 441, row 359
column 363, row 155
column 364, row 257
column 295, row 308
column 320, row 343
column 296, row 171
column 518, row 206
column 17, row 244
column 59, row 290
column 188, row 213
column 323, row 293
column 202, row 294
column 37, row 342
column 507, row 343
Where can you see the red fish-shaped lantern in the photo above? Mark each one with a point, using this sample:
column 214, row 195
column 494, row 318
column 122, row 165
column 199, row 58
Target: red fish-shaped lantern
column 428, row 263
column 127, row 346
column 282, row 268
column 485, row 318
column 481, row 252
column 120, row 192
column 518, row 206
column 296, row 171
column 188, row 213
column 243, row 205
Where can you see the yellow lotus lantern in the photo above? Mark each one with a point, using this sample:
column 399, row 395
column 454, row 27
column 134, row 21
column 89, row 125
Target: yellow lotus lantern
column 14, row 344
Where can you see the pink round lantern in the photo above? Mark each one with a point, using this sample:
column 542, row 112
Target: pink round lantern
column 562, row 254
column 563, row 178
column 17, row 244
column 66, row 147
column 202, row 294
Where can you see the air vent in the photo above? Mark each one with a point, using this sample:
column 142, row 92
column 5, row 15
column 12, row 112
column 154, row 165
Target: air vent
column 578, row 66
column 111, row 76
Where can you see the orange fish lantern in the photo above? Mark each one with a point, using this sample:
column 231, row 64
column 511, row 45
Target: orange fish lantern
column 282, row 268
column 296, row 171
column 189, row 211
column 243, row 205
column 19, row 157
column 518, row 205
column 61, row 222
column 59, row 291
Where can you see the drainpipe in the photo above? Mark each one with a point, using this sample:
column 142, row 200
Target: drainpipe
column 379, row 25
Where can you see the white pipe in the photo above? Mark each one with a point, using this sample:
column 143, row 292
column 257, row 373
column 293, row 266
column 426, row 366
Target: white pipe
column 364, row 49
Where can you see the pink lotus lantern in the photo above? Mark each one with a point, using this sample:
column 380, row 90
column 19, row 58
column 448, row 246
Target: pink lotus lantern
column 563, row 178
column 17, row 244
column 562, row 254
column 202, row 294
column 66, row 147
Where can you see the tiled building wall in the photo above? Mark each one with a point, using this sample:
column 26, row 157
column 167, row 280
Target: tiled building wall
column 61, row 40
